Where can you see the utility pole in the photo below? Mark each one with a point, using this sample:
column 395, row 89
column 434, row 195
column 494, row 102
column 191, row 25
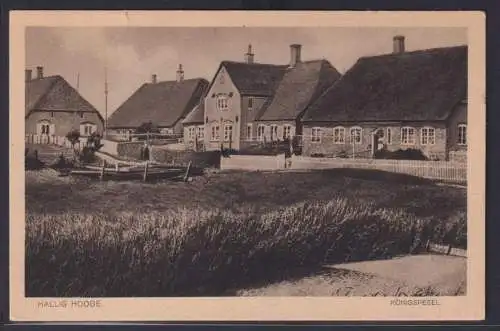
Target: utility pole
column 78, row 82
column 105, row 101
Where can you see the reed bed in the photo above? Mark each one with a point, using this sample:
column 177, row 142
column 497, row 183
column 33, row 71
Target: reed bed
column 211, row 251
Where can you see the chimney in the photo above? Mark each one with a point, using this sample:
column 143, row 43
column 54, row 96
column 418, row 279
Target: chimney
column 398, row 44
column 294, row 54
column 27, row 75
column 180, row 73
column 39, row 72
column 153, row 79
column 249, row 55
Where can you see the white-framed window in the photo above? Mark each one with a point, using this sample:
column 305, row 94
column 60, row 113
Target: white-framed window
column 274, row 132
column 249, row 131
column 250, row 103
column 462, row 134
column 287, row 131
column 215, row 132
column 389, row 136
column 191, row 133
column 200, row 132
column 45, row 128
column 261, row 132
column 427, row 136
column 86, row 129
column 407, row 135
column 355, row 135
column 316, row 135
column 228, row 132
column 222, row 102
column 339, row 135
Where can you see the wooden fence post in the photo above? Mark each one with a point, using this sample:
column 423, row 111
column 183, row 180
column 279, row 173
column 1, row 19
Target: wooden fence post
column 186, row 175
column 145, row 175
column 101, row 177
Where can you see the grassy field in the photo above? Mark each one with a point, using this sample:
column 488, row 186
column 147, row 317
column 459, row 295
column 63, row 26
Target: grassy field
column 224, row 231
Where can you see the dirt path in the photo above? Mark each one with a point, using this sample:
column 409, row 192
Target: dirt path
column 409, row 275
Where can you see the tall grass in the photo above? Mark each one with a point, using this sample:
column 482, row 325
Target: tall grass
column 197, row 252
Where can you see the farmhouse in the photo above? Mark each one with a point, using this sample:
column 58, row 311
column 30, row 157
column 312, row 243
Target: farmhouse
column 164, row 104
column 53, row 108
column 395, row 101
column 249, row 101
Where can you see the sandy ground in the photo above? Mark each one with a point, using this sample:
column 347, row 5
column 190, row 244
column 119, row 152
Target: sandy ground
column 417, row 275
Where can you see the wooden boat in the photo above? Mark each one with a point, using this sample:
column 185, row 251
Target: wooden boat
column 115, row 168
column 144, row 172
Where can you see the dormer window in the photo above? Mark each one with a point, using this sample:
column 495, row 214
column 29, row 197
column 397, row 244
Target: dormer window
column 250, row 103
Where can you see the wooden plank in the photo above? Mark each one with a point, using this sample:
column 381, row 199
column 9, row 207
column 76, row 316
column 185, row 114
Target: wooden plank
column 458, row 252
column 440, row 249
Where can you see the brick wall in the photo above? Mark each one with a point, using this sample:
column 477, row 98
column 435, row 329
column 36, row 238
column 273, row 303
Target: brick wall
column 130, row 150
column 459, row 116
column 248, row 116
column 207, row 159
column 63, row 122
column 458, row 156
column 327, row 146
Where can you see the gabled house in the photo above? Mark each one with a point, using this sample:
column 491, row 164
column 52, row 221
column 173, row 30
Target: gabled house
column 394, row 101
column 165, row 104
column 53, row 108
column 249, row 101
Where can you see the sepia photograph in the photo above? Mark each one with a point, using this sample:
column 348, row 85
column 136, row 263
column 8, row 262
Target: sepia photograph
column 246, row 162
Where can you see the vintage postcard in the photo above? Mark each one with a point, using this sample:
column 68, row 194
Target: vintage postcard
column 247, row 166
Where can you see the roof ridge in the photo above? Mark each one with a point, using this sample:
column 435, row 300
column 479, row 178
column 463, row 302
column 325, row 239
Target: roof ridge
column 253, row 63
column 415, row 52
column 175, row 81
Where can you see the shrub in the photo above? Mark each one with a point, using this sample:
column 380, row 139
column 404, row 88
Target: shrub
column 401, row 154
column 61, row 163
column 87, row 155
column 208, row 252
column 31, row 160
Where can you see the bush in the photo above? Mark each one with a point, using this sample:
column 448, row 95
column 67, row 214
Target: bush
column 401, row 154
column 206, row 252
column 62, row 163
column 87, row 155
column 31, row 160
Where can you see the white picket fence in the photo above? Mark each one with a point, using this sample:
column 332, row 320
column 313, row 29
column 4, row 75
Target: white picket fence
column 53, row 140
column 437, row 170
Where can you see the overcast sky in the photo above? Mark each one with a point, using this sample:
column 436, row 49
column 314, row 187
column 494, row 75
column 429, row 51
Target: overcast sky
column 133, row 54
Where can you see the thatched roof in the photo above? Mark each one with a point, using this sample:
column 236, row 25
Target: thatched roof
column 254, row 78
column 298, row 88
column 162, row 103
column 195, row 116
column 413, row 86
column 54, row 93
